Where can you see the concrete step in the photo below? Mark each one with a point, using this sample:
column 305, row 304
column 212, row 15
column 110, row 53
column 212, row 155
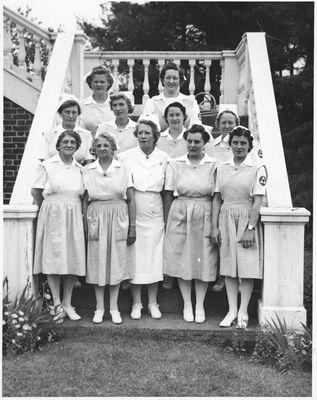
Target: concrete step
column 170, row 301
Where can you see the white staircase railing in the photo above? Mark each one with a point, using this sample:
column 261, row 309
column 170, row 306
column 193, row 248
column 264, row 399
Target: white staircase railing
column 19, row 30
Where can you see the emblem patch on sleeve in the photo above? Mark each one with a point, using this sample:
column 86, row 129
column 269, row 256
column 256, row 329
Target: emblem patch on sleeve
column 262, row 180
column 260, row 153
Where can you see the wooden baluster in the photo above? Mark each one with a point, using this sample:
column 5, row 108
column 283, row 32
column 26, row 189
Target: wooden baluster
column 222, row 65
column 7, row 44
column 115, row 86
column 161, row 64
column 207, row 86
column 22, row 52
column 146, row 85
column 192, row 77
column 37, row 78
column 177, row 62
column 131, row 83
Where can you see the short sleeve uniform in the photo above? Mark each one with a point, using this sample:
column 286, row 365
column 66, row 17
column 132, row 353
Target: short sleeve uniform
column 93, row 113
column 124, row 138
column 188, row 250
column 149, row 179
column 60, row 244
column 50, row 140
column 237, row 186
column 109, row 258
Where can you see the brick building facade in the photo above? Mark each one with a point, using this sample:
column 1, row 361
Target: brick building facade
column 16, row 127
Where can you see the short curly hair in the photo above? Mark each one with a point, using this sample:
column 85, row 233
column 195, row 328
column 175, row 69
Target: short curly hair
column 227, row 112
column 119, row 96
column 71, row 133
column 152, row 125
column 173, row 66
column 241, row 131
column 178, row 105
column 106, row 136
column 196, row 128
column 100, row 70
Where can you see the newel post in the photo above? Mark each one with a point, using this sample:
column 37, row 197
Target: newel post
column 283, row 278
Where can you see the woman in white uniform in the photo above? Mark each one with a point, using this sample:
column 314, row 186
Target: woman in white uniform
column 239, row 192
column 122, row 127
column 172, row 78
column 69, row 110
column 109, row 221
column 60, row 243
column 148, row 167
column 189, row 253
column 96, row 108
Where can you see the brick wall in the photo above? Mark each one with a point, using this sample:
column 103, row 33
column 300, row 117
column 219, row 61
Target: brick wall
column 16, row 126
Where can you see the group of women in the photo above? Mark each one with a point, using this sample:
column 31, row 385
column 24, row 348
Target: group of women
column 147, row 204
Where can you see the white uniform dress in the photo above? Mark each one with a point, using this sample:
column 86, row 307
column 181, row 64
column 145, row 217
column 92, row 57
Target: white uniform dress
column 188, row 250
column 124, row 138
column 149, row 178
column 223, row 152
column 60, row 243
column 109, row 258
column 177, row 147
column 93, row 113
column 237, row 186
column 50, row 140
column 157, row 104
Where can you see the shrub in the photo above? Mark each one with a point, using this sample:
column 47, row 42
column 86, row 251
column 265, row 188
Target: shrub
column 283, row 348
column 26, row 324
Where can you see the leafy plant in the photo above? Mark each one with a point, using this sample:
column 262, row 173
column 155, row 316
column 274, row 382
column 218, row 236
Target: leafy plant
column 282, row 347
column 27, row 323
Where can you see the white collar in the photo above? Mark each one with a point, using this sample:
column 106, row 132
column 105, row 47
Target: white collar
column 248, row 161
column 206, row 159
column 90, row 100
column 161, row 96
column 219, row 140
column 96, row 165
column 60, row 129
column 167, row 134
column 112, row 124
column 57, row 159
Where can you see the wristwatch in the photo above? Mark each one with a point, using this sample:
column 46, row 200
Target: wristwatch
column 251, row 228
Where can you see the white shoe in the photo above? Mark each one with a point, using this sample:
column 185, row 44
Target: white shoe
column 154, row 311
column 136, row 311
column 116, row 317
column 59, row 314
column 71, row 313
column 98, row 316
column 200, row 316
column 228, row 320
column 188, row 314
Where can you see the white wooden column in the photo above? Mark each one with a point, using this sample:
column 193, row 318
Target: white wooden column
column 191, row 87
column 18, row 249
column 283, row 280
column 37, row 78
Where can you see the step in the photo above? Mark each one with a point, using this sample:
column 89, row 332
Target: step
column 170, row 301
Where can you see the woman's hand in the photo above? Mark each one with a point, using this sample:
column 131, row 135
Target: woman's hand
column 215, row 236
column 247, row 239
column 131, row 234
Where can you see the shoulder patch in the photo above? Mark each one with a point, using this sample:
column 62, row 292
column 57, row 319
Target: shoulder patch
column 262, row 180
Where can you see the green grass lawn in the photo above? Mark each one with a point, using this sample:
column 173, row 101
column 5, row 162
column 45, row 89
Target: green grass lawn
column 113, row 362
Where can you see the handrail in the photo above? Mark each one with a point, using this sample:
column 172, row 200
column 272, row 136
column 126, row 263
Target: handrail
column 262, row 99
column 26, row 23
column 149, row 55
column 44, row 117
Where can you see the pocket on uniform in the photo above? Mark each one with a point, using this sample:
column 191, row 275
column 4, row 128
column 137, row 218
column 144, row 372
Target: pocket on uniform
column 93, row 227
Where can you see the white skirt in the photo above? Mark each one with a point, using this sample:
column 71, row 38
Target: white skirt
column 149, row 238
